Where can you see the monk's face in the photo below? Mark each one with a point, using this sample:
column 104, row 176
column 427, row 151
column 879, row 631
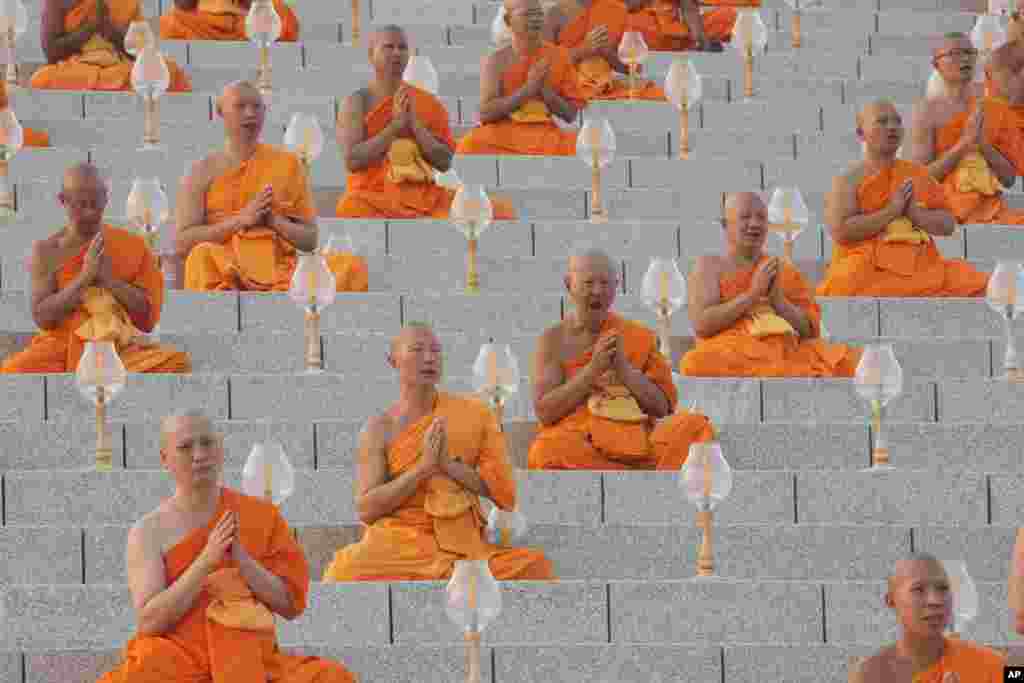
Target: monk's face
column 922, row 598
column 746, row 224
column 418, row 357
column 243, row 112
column 193, row 453
column 881, row 129
column 84, row 197
column 524, row 17
column 389, row 54
column 591, row 283
column 956, row 60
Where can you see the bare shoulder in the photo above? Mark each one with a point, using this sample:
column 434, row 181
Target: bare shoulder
column 146, row 532
column 852, row 177
column 355, row 102
column 923, row 112
column 550, row 340
column 711, row 264
column 378, row 430
column 500, row 59
column 202, row 172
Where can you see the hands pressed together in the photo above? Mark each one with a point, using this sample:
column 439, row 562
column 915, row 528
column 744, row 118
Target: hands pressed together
column 258, row 212
column 435, row 448
column 537, row 78
column 402, row 112
column 767, row 283
column 96, row 270
column 223, row 540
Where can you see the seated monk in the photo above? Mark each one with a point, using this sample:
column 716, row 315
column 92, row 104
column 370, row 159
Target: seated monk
column 208, row 570
column 1005, row 74
column 920, row 594
column 591, row 30
column 674, row 25
column 395, row 136
column 968, row 143
column 421, row 469
column 522, row 86
column 243, row 212
column 220, row 20
column 602, row 391
column 84, row 45
column 1008, row 56
column 883, row 214
column 755, row 315
column 31, row 136
column 93, row 282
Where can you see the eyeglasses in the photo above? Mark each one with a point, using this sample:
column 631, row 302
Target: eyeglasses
column 959, row 53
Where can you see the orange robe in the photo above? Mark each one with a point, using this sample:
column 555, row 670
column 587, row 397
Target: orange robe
column 665, row 29
column 537, row 133
column 968, row 202
column 584, row 441
column 99, row 65
column 258, row 259
column 596, row 80
column 442, row 522
column 99, row 318
column 224, row 21
column 735, row 352
column 874, row 267
column 409, row 191
column 973, row 663
column 225, row 637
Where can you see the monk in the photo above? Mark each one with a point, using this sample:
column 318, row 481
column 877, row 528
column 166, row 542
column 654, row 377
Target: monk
column 421, row 469
column 675, row 25
column 1008, row 56
column 755, row 315
column 883, row 214
column 522, row 86
column 30, row 136
column 208, row 570
column 920, row 593
column 968, row 143
column 220, row 20
column 602, row 391
column 395, row 136
column 93, row 282
column 243, row 212
column 84, row 45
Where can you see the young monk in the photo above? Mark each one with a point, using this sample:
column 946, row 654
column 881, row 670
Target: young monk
column 422, row 466
column 220, row 20
column 521, row 87
column 84, row 45
column 208, row 570
column 969, row 144
column 394, row 136
column 602, row 391
column 243, row 212
column 93, row 282
column 883, row 214
column 592, row 31
column 755, row 315
column 920, row 594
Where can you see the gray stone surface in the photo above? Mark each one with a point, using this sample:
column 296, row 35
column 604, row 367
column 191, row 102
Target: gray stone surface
column 980, row 400
column 909, row 23
column 376, row 311
column 655, row 498
column 369, row 236
column 564, row 172
column 607, row 663
column 44, row 164
column 558, row 240
column 336, row 443
column 793, row 664
column 836, row 400
column 545, row 612
column 500, row 315
column 431, row 240
column 321, row 496
column 10, row 666
column 446, row 273
column 308, row 397
column 404, row 663
column 722, row 400
column 105, row 546
column 199, row 312
column 548, row 497
column 692, row 181
column 186, row 107
column 68, row 617
column 39, row 554
column 145, row 397
column 737, row 611
column 260, row 352
column 22, row 398
column 794, row 446
column 936, row 358
column 977, row 446
column 284, row 57
column 801, row 114
column 70, row 666
column 846, row 317
column 991, row 242
column 895, row 497
column 57, row 104
column 986, row 549
column 37, row 445
column 659, row 204
column 923, row 318
column 340, row 614
column 1007, row 507
column 65, row 498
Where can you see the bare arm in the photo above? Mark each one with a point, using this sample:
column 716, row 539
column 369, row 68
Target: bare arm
column 467, row 476
column 362, row 152
column 57, row 44
column 437, row 153
column 707, row 314
column 649, row 395
column 51, row 306
column 936, row 222
column 845, row 221
column 494, row 107
column 553, row 397
column 300, row 234
column 134, row 299
column 1000, row 165
column 376, row 494
column 187, row 5
column 691, row 15
column 266, row 586
column 558, row 105
column 190, row 214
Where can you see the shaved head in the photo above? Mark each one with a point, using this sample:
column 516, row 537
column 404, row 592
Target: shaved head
column 238, row 89
column 83, row 175
column 385, row 31
column 170, row 424
column 907, row 566
column 738, row 201
column 872, row 111
column 949, row 40
column 410, row 331
column 589, row 260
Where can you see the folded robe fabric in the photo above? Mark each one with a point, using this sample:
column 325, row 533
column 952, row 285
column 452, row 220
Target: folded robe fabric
column 221, row 20
column 232, row 603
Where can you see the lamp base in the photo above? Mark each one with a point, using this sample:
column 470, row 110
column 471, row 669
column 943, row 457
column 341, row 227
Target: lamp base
column 1013, row 375
column 104, row 459
column 153, row 147
column 599, row 216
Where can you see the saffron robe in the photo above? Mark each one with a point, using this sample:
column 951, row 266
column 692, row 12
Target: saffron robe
column 736, row 352
column 530, row 130
column 224, row 637
column 596, row 78
column 258, row 259
column 442, row 522
column 665, row 29
column 973, row 663
column 585, row 441
column 874, row 267
column 972, row 190
column 100, row 65
column 383, row 191
column 101, row 318
column 223, row 20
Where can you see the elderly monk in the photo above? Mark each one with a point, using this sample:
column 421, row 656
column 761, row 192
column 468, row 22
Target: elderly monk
column 208, row 570
column 394, row 137
column 754, row 314
column 244, row 211
column 93, row 282
column 84, row 45
column 603, row 393
column 522, row 86
column 970, row 144
column 421, row 468
column 920, row 594
column 883, row 214
column 220, row 20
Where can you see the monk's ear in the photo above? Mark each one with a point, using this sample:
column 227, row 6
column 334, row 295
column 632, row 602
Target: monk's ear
column 391, row 360
column 889, row 602
column 505, row 16
column 567, row 281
